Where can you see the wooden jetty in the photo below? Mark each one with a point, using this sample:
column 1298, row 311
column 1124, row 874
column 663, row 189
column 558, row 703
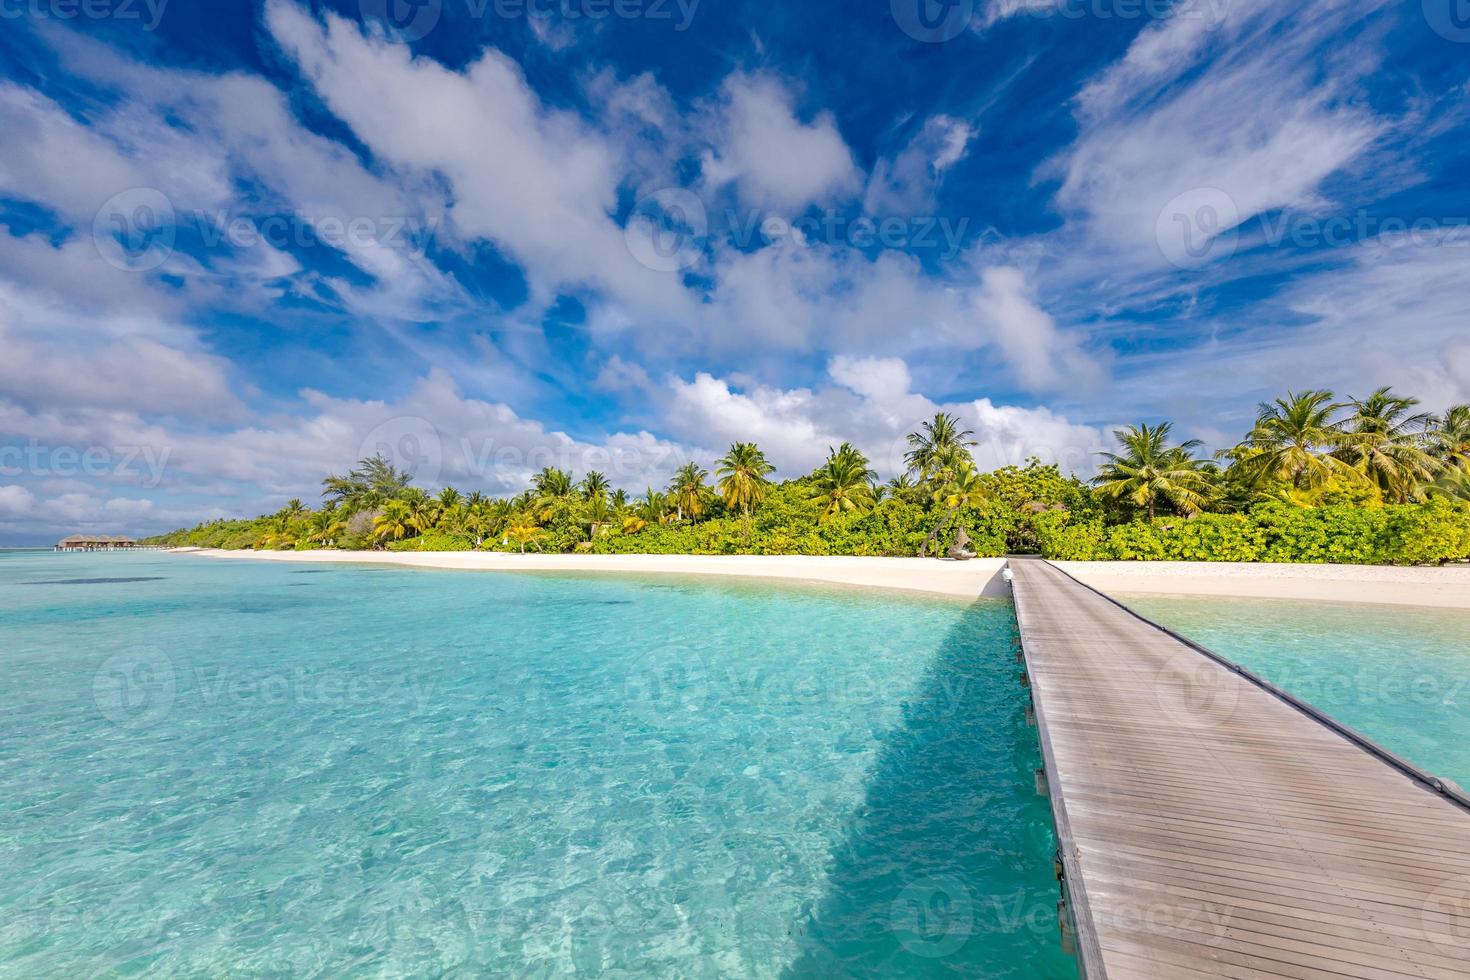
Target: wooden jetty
column 1210, row 825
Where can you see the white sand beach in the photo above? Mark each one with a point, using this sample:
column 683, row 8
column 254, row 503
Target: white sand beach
column 980, row 577
column 1445, row 587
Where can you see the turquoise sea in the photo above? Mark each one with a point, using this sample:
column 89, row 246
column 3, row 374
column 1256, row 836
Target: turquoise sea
column 1398, row 674
column 213, row 768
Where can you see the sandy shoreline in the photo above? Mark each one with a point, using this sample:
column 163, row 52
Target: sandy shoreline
column 967, row 580
column 1441, row 587
column 1447, row 587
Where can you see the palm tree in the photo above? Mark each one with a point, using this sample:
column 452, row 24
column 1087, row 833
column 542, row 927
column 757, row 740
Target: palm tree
column 842, row 484
column 1453, row 482
column 688, row 491
column 553, row 491
column 523, row 533
column 654, row 508
column 596, row 513
column 939, row 447
column 449, row 499
column 1387, row 445
column 1294, row 439
column 323, row 526
column 902, row 487
column 422, row 509
column 395, row 523
column 594, row 485
column 962, row 488
column 294, row 509
column 1149, row 470
column 743, row 474
column 1449, row 436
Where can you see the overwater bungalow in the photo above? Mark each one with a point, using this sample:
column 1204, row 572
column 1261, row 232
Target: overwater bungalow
column 95, row 542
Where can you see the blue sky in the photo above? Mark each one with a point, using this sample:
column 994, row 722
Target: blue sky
column 242, row 245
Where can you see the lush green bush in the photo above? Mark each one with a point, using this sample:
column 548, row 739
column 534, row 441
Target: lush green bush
column 1409, row 534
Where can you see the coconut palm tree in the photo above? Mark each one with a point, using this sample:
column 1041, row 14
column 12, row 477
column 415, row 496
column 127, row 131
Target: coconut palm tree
column 449, row 499
column 1453, row 482
column 423, row 509
column 842, row 484
column 688, row 491
column 963, row 487
column 938, row 448
column 552, row 482
column 294, row 509
column 653, row 508
column 1449, row 436
column 1295, row 439
column 395, row 522
column 553, row 492
column 594, row 485
column 523, row 533
column 1150, row 470
column 742, row 473
column 1387, row 444
column 323, row 526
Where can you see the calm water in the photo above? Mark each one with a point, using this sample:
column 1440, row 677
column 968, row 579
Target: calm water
column 1398, row 674
column 212, row 768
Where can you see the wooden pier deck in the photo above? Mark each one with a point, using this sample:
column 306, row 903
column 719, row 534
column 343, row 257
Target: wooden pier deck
column 1210, row 826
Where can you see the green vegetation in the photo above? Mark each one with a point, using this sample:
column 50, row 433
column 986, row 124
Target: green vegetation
column 1364, row 481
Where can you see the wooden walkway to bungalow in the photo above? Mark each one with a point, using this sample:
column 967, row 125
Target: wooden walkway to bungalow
column 1211, row 826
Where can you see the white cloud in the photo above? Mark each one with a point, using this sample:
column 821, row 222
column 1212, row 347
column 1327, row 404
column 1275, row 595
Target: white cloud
column 776, row 160
column 906, row 184
column 872, row 406
column 535, row 181
column 1260, row 124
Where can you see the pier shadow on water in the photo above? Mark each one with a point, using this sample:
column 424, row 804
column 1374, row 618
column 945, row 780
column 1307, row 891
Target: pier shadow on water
column 947, row 866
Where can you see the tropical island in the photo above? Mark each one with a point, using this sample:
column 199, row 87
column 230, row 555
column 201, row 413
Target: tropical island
column 1357, row 481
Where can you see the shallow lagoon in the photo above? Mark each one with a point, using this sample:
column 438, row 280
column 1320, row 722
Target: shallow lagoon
column 211, row 767
column 1398, row 674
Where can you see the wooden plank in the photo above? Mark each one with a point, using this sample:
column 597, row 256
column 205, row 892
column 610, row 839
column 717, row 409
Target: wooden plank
column 1213, row 826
